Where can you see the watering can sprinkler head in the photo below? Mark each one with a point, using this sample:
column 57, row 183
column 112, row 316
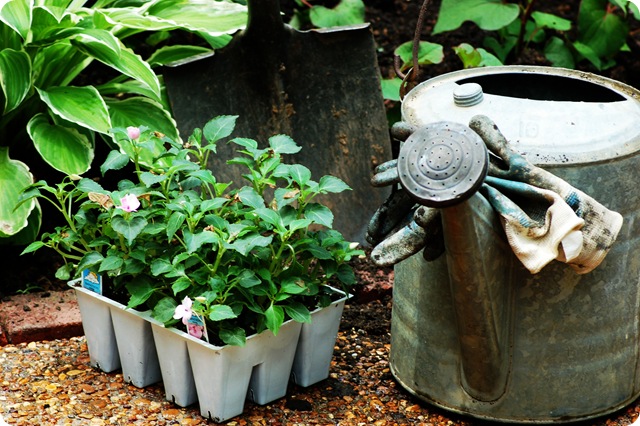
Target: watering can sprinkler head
column 442, row 164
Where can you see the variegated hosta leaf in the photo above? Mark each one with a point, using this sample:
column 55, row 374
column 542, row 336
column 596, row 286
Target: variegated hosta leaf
column 17, row 14
column 15, row 77
column 14, row 177
column 138, row 112
column 81, row 105
column 64, row 148
column 108, row 49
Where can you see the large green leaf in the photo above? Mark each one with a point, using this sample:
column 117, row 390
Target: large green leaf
column 169, row 54
column 81, row 105
column 489, row 15
column 15, row 77
column 346, row 12
column 64, row 148
column 17, row 14
column 140, row 111
column 106, row 48
column 428, row 53
column 212, row 17
column 600, row 29
column 14, row 177
column 58, row 65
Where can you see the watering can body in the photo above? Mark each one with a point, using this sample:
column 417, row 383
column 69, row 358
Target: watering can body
column 474, row 331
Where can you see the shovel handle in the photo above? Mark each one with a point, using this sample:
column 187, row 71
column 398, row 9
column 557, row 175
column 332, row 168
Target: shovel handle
column 265, row 20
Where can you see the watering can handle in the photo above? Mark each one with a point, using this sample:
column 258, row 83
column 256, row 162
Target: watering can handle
column 443, row 165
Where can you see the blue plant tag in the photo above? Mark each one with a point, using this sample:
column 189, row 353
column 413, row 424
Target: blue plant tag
column 92, row 281
column 196, row 328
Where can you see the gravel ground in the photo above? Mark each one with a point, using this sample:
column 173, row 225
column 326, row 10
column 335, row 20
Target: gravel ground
column 52, row 383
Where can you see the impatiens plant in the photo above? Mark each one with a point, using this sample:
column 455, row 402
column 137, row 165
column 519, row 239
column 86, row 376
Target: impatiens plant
column 218, row 259
column 50, row 99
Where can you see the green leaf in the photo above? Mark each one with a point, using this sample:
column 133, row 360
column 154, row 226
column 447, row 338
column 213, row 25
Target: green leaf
column 332, row 184
column 557, row 52
column 33, row 247
column 274, row 316
column 293, row 285
column 214, row 18
column 130, row 228
column 175, row 222
column 547, row 20
column 164, row 309
column 160, row 267
column 250, row 241
column 221, row 312
column 428, row 53
column 195, row 241
column 170, row 54
column 235, row 336
column 219, row 128
column 15, row 77
column 248, row 279
column 139, row 291
column 110, row 263
column 489, row 15
column 80, row 105
column 64, row 272
column 250, row 197
column 108, row 49
column 116, row 160
column 472, row 57
column 284, row 144
column 14, row 177
column 138, row 111
column 269, row 216
column 391, row 88
column 300, row 174
column 601, row 30
column 17, row 14
column 298, row 312
column 347, row 12
column 63, row 148
column 89, row 260
column 319, row 214
column 149, row 179
column 181, row 284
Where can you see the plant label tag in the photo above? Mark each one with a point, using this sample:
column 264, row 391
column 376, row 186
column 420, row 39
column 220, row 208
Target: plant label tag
column 92, row 281
column 196, row 327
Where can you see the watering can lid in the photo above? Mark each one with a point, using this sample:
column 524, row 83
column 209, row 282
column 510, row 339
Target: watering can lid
column 550, row 115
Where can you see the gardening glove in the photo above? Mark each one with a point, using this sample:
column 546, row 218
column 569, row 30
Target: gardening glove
column 583, row 238
column 401, row 228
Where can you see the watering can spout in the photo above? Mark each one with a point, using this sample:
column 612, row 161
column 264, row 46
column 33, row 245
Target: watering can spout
column 442, row 166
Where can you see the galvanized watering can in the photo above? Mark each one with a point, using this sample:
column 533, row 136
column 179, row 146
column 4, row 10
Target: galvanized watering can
column 476, row 328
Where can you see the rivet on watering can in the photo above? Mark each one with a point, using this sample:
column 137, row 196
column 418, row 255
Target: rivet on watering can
column 468, row 94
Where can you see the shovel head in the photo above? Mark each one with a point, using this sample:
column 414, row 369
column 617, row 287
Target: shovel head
column 322, row 88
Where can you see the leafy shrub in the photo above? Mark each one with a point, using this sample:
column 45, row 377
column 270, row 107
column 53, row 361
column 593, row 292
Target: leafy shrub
column 45, row 47
column 597, row 36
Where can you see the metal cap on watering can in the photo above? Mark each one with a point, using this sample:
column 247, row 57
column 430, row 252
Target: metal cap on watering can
column 503, row 310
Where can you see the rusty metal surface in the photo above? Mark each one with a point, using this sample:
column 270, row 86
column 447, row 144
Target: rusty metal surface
column 474, row 332
column 320, row 87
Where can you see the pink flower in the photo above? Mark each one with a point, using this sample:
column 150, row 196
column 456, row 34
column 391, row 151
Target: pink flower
column 195, row 330
column 129, row 203
column 133, row 132
column 184, row 311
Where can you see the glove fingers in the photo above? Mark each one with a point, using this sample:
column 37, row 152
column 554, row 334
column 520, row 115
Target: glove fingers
column 390, row 215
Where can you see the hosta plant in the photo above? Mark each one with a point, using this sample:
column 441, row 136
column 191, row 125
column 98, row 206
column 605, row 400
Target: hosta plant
column 52, row 100
column 172, row 238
